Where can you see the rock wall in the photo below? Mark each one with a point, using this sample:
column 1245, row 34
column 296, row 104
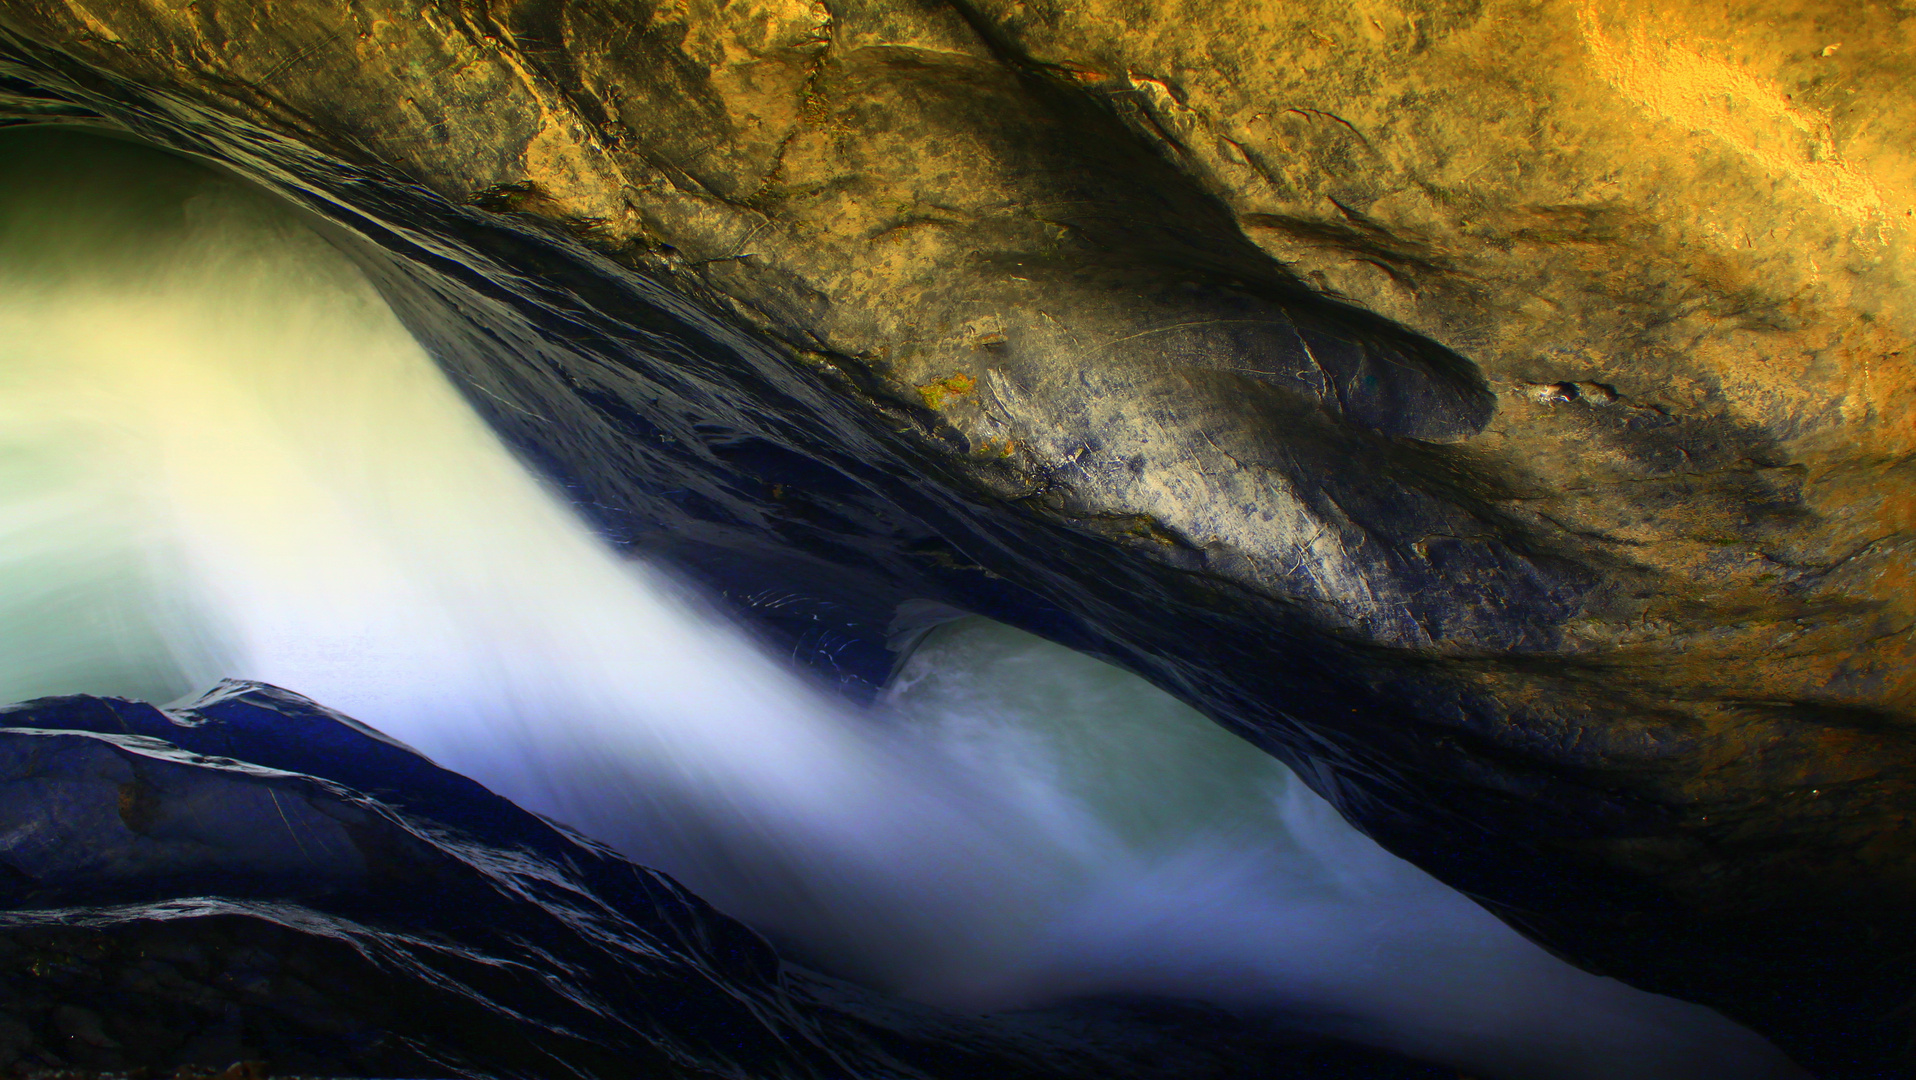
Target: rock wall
column 1499, row 409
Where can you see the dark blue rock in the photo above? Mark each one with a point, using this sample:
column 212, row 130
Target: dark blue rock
column 256, row 876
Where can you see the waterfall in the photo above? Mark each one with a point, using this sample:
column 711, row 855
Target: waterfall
column 222, row 455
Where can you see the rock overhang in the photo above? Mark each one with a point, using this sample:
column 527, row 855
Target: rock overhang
column 1024, row 295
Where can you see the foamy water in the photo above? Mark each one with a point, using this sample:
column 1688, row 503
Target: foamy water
column 222, row 455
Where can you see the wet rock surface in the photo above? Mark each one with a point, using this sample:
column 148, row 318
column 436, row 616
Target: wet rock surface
column 296, row 891
column 1497, row 410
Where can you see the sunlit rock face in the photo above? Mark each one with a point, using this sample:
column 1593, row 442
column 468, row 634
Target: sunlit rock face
column 1498, row 410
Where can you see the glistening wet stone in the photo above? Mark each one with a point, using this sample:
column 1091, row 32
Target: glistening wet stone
column 409, row 923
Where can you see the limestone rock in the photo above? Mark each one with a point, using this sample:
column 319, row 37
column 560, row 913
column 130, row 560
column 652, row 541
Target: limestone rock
column 1498, row 408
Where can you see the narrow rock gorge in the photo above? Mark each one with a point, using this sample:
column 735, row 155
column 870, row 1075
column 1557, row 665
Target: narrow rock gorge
column 1497, row 410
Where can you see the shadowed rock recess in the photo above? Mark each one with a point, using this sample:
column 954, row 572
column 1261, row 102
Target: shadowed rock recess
column 1499, row 410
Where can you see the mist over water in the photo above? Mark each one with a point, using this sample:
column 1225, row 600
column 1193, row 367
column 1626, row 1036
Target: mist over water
column 222, row 455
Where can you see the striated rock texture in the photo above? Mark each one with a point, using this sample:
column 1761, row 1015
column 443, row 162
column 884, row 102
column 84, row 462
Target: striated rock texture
column 1499, row 409
column 254, row 877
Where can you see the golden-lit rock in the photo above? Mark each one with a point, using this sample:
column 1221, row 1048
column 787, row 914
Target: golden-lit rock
column 1553, row 356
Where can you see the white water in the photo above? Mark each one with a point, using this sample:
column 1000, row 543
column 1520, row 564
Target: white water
column 220, row 454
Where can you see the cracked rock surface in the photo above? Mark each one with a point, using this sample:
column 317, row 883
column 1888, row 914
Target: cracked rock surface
column 1500, row 409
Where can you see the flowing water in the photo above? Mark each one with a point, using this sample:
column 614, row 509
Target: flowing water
column 222, row 455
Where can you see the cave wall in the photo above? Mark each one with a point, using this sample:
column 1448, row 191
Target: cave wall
column 1497, row 409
